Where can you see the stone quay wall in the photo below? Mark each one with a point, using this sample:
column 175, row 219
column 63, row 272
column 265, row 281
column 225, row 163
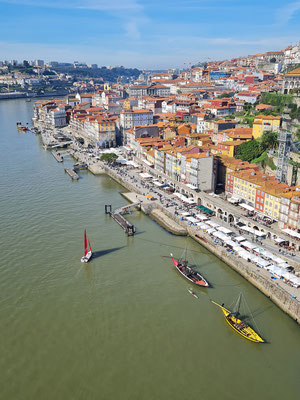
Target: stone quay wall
column 279, row 296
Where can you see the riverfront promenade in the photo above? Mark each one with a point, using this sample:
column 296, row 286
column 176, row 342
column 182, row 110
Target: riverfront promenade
column 284, row 295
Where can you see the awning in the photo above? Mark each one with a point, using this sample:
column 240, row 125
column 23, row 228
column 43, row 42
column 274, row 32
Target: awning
column 202, row 217
column 279, row 240
column 220, row 235
column 261, row 262
column 230, row 243
column 148, row 163
column 213, row 224
column 291, row 233
column 233, row 200
column 247, row 207
column 203, row 226
column 157, row 183
column 192, row 220
column 189, row 201
column 191, row 186
column 205, row 209
column 248, row 245
column 253, row 231
column 237, row 248
column 210, row 230
column 245, row 254
column 259, row 233
column 185, row 214
column 224, row 230
column 239, row 239
column 144, row 175
column 132, row 163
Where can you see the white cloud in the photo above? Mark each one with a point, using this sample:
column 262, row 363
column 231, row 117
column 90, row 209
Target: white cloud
column 287, row 12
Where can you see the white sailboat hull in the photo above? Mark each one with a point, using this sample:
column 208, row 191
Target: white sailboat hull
column 87, row 257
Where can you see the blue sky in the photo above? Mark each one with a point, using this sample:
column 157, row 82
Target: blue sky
column 145, row 33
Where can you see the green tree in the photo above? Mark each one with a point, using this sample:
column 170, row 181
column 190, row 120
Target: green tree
column 269, row 140
column 249, row 150
column 109, row 157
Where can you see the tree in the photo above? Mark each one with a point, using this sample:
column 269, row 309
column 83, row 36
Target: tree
column 109, row 157
column 249, row 150
column 269, row 140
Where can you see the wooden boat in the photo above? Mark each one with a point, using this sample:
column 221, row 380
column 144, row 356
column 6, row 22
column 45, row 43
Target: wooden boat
column 232, row 318
column 87, row 252
column 188, row 272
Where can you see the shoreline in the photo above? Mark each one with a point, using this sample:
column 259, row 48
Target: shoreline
column 270, row 288
column 273, row 291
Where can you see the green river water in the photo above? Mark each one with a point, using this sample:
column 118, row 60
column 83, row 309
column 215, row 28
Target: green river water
column 124, row 325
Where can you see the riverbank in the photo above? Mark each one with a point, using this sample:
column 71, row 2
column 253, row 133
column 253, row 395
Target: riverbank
column 256, row 276
column 285, row 298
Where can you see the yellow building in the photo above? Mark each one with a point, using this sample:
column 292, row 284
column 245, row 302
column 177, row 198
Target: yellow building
column 264, row 123
column 106, row 125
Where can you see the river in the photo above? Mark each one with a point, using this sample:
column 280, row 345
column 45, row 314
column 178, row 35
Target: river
column 123, row 326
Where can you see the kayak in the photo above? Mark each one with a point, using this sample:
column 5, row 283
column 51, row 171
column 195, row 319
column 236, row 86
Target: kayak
column 193, row 293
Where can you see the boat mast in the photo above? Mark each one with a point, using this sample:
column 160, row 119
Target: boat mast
column 239, row 303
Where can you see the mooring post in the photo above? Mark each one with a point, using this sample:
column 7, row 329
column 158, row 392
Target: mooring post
column 108, row 209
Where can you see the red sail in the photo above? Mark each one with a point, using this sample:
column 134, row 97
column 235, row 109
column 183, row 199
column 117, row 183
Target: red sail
column 85, row 244
column 89, row 245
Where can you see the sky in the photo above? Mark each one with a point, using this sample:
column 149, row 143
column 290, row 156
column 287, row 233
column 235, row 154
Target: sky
column 154, row 34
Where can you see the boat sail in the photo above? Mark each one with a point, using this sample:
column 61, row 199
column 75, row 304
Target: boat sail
column 232, row 318
column 188, row 272
column 87, row 249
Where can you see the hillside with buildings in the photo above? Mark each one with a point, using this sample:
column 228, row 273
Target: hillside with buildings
column 228, row 126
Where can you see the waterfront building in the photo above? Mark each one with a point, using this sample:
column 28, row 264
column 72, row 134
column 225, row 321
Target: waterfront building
column 52, row 113
column 203, row 172
column 259, row 190
column 289, row 213
column 132, row 118
column 291, row 80
column 263, row 123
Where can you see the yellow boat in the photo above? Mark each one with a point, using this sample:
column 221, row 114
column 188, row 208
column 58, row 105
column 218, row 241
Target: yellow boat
column 238, row 325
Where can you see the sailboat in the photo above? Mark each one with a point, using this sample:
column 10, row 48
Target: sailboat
column 87, row 253
column 232, row 318
column 188, row 272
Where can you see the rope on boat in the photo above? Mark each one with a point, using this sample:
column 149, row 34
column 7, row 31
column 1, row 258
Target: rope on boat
column 256, row 327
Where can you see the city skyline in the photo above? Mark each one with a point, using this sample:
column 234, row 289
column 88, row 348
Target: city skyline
column 136, row 34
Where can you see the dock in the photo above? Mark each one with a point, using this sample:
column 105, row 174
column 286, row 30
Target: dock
column 128, row 228
column 57, row 156
column 72, row 174
column 78, row 166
